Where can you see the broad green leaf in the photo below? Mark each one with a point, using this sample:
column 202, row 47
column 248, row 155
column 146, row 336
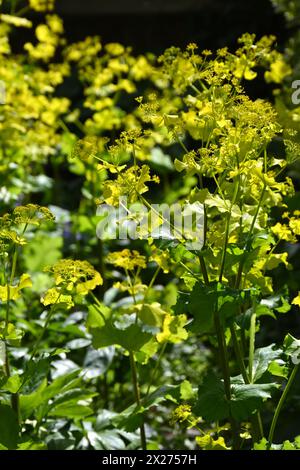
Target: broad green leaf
column 200, row 303
column 247, row 398
column 262, row 359
column 62, row 384
column 75, row 395
column 291, row 348
column 212, row 404
column 106, row 440
column 186, row 391
column 36, row 371
column 288, row 445
column 9, row 429
column 31, row 445
column 12, row 335
column 147, row 351
column 151, row 314
column 173, row 329
column 29, row 403
column 278, row 369
column 131, row 418
column 12, row 384
column 261, row 445
column 105, row 333
column 71, row 410
column 204, row 300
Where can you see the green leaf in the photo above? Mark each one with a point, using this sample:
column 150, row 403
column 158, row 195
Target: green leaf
column 36, row 371
column 264, row 310
column 13, row 335
column 147, row 351
column 212, row 404
column 204, row 300
column 74, row 395
column 262, row 359
column 279, row 370
column 186, row 391
column 151, row 314
column 12, row 384
column 106, row 440
column 247, row 398
column 131, row 418
column 261, row 445
column 29, row 403
column 62, row 384
column 9, row 429
column 288, row 445
column 291, row 346
column 71, row 410
column 31, row 445
column 105, row 333
column 200, row 303
column 207, row 442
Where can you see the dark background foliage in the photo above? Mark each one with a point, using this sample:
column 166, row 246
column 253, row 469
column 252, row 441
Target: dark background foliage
column 154, row 25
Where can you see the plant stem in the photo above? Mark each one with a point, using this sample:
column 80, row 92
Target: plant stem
column 227, row 226
column 46, row 324
column 225, row 247
column 280, row 404
column 203, row 269
column 15, row 396
column 158, row 362
column 252, row 346
column 223, row 355
column 258, row 432
column 238, row 354
column 246, row 246
column 137, row 397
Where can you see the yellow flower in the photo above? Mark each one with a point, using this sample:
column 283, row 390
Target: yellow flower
column 127, row 259
column 181, row 413
column 42, row 5
column 75, row 275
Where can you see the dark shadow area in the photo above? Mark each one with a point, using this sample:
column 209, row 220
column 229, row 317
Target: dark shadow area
column 215, row 24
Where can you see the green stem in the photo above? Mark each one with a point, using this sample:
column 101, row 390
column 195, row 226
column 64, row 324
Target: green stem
column 158, row 362
column 246, row 246
column 38, row 341
column 137, row 397
column 252, row 346
column 223, row 354
column 280, row 404
column 258, row 432
column 225, row 247
column 236, row 190
column 10, row 282
column 238, row 354
column 201, row 258
column 203, row 269
column 15, row 396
